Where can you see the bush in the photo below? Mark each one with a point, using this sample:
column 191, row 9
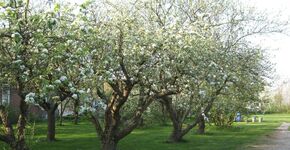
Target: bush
column 277, row 108
column 222, row 117
column 156, row 114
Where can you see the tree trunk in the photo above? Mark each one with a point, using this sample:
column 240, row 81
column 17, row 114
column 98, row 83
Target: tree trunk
column 112, row 122
column 112, row 131
column 201, row 126
column 176, row 135
column 109, row 144
column 21, row 124
column 51, row 125
column 19, row 146
column 60, row 120
column 76, row 117
column 164, row 115
column 21, row 133
column 62, row 109
column 8, row 133
column 76, row 112
column 61, row 114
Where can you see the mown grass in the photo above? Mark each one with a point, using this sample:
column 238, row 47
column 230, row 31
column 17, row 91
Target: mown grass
column 83, row 137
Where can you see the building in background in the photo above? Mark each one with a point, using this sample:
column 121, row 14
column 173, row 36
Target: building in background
column 10, row 98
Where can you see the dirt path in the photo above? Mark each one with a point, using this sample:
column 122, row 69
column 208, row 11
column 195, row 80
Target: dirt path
column 279, row 140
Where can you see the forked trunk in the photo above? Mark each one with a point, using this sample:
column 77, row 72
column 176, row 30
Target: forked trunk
column 111, row 131
column 177, row 133
column 51, row 125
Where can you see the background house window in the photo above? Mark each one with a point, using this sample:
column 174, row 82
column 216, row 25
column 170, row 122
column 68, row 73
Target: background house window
column 5, row 94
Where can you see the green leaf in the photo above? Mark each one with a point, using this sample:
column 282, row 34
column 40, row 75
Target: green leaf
column 2, row 4
column 86, row 4
column 56, row 7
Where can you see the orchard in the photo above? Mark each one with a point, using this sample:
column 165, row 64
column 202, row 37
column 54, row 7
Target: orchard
column 121, row 66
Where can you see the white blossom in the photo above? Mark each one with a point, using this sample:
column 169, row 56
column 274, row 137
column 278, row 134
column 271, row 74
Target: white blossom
column 57, row 82
column 22, row 67
column 44, row 50
column 75, row 96
column 63, row 78
column 72, row 89
column 202, row 93
column 29, row 98
column 81, row 91
column 50, row 86
column 17, row 61
column 87, row 109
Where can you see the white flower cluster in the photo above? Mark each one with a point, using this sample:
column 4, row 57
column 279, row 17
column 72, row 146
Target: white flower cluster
column 74, row 96
column 202, row 93
column 49, row 87
column 60, row 80
column 100, row 105
column 57, row 82
column 29, row 98
column 87, row 109
column 63, row 78
column 82, row 91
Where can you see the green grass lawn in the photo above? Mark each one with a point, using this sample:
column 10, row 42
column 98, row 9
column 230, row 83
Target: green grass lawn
column 83, row 137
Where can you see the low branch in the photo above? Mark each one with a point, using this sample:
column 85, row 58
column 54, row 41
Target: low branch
column 98, row 126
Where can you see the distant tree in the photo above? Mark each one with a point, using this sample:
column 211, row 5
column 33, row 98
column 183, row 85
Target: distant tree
column 278, row 97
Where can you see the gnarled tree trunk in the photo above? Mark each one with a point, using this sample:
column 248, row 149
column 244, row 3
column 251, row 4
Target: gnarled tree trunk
column 177, row 120
column 113, row 129
column 109, row 138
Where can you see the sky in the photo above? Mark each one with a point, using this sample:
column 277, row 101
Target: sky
column 279, row 44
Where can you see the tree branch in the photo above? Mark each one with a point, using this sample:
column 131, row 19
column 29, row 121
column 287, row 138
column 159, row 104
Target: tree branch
column 98, row 126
